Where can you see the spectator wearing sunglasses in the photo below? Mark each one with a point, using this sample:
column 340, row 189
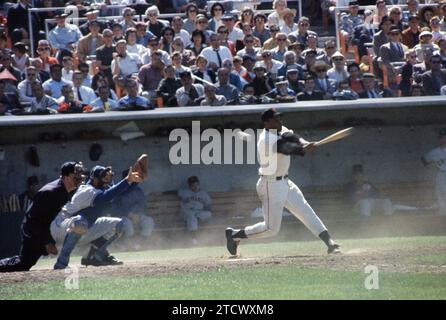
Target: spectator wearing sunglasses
column 271, row 43
column 259, row 30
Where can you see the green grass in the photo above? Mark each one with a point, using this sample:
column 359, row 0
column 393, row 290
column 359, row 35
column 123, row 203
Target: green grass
column 245, row 283
column 261, row 282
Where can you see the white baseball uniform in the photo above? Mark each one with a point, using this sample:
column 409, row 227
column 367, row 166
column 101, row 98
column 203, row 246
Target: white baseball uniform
column 437, row 157
column 276, row 191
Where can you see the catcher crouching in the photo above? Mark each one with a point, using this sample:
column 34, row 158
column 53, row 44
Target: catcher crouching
column 85, row 219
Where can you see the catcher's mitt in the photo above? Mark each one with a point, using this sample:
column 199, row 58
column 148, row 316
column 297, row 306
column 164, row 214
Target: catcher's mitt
column 141, row 166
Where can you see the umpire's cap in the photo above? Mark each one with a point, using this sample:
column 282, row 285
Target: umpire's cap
column 269, row 114
column 442, row 132
column 192, row 179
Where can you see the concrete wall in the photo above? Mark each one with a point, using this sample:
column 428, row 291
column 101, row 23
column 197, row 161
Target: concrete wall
column 390, row 137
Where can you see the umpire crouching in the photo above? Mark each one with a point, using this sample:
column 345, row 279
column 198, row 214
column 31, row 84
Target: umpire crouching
column 49, row 200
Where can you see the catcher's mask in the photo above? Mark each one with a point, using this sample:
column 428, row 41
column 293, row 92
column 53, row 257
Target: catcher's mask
column 100, row 172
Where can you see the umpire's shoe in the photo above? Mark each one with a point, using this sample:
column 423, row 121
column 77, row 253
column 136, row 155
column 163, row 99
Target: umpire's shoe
column 334, row 248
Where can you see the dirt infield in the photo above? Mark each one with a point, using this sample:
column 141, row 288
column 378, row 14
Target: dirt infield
column 404, row 259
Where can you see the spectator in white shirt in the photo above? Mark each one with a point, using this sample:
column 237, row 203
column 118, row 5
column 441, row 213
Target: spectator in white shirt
column 25, row 87
column 235, row 34
column 82, row 93
column 67, row 70
column 124, row 64
column 216, row 54
column 339, row 70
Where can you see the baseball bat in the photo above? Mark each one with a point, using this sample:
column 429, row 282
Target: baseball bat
column 341, row 134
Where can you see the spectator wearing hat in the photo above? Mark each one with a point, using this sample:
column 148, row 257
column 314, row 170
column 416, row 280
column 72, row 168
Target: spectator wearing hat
column 309, row 93
column 201, row 23
column 312, row 44
column 128, row 21
column 349, row 21
column 35, row 230
column 53, row 86
column 177, row 25
column 211, row 98
column 292, row 75
column 425, row 44
column 370, row 90
column 322, row 82
column 289, row 25
column 190, row 93
column 393, row 51
column 217, row 11
column 281, row 92
column 133, row 101
column 380, row 37
column 216, row 53
column 91, row 42
column 20, row 58
column 302, row 32
column 234, row 34
column 435, row 78
column 297, row 48
column 410, row 35
column 259, row 30
column 310, row 56
column 262, row 83
column 364, row 33
column 168, row 87
column 65, row 36
column 339, row 70
column 191, row 15
column 275, row 18
column 92, row 15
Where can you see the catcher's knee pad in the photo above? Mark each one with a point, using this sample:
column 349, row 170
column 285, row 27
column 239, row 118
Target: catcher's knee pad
column 79, row 225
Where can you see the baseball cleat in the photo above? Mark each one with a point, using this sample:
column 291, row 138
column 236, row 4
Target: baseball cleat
column 231, row 244
column 333, row 249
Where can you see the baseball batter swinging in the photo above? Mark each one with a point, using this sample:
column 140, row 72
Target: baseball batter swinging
column 275, row 145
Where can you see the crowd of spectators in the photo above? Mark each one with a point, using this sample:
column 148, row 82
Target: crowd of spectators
column 212, row 55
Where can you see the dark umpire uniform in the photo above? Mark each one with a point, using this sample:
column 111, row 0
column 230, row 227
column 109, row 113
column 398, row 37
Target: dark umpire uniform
column 35, row 230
